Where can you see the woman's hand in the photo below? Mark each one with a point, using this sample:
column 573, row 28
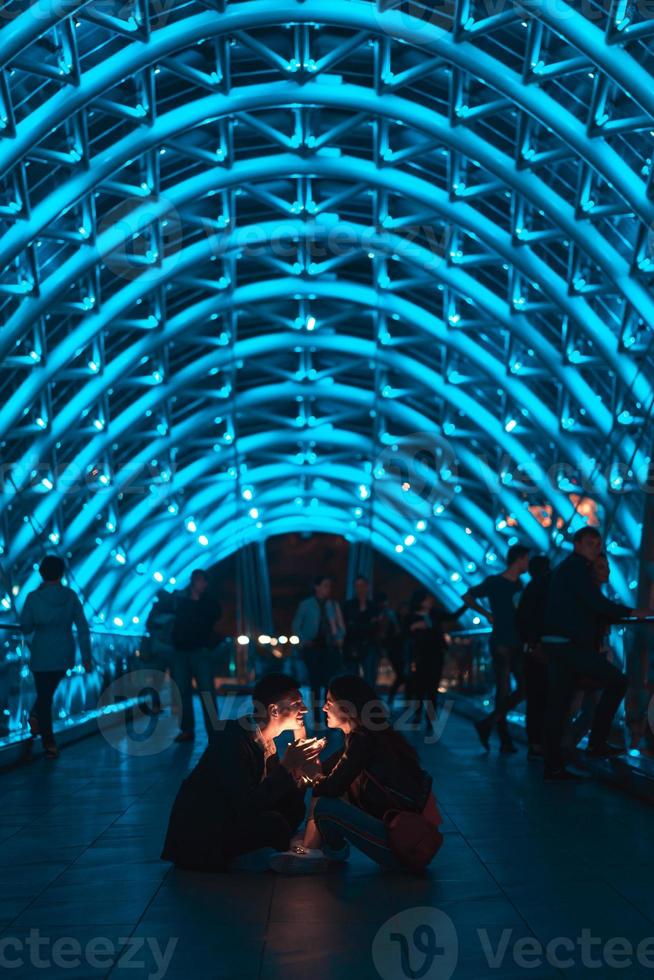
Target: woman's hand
column 298, row 754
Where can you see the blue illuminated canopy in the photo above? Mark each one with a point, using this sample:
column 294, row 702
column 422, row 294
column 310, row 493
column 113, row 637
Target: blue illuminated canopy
column 370, row 267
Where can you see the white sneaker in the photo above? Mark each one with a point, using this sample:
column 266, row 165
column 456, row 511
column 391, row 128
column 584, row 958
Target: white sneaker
column 299, row 861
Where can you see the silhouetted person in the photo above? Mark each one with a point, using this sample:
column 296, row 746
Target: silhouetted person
column 240, row 800
column 575, row 606
column 157, row 650
column 588, row 696
column 362, row 619
column 531, row 621
column 506, row 650
column 397, row 647
column 320, row 627
column 48, row 617
column 426, row 625
column 196, row 614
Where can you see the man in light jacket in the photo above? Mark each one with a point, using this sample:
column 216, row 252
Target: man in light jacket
column 47, row 619
column 320, row 626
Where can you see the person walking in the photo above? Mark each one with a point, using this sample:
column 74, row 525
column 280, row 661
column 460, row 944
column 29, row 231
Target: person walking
column 506, row 650
column 575, row 607
column 320, row 627
column 196, row 614
column 531, row 619
column 47, row 619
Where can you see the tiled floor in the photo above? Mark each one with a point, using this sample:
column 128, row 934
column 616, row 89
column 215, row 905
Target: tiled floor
column 83, row 894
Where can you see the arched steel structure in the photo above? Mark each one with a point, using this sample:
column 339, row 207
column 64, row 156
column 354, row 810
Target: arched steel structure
column 376, row 267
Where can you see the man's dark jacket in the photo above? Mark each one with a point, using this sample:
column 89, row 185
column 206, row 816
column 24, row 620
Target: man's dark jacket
column 225, row 794
column 575, row 603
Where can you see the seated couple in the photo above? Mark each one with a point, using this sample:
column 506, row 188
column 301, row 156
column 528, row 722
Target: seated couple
column 241, row 807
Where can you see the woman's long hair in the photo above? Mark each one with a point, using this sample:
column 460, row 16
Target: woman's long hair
column 357, row 698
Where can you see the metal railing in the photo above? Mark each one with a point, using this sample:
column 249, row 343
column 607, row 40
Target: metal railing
column 77, row 695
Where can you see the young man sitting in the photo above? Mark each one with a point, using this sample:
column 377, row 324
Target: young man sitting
column 241, row 804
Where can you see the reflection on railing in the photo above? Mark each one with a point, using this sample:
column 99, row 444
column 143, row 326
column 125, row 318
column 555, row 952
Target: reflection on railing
column 76, row 697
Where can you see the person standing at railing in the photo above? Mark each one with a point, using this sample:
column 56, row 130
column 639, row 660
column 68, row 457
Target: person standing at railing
column 575, row 608
column 48, row 617
column 506, row 649
column 587, row 698
column 531, row 620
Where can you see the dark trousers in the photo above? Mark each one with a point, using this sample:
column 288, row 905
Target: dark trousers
column 267, row 828
column 46, row 683
column 567, row 663
column 323, row 663
column 198, row 664
column 507, row 661
column 425, row 680
column 536, row 682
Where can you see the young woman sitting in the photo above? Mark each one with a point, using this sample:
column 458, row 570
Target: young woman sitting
column 376, row 771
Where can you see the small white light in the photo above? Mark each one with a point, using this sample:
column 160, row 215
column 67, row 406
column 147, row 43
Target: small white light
column 421, row 526
column 399, row 548
column 118, row 621
column 247, row 494
column 283, row 639
column 311, row 323
column 409, row 540
column 135, row 620
column 203, row 540
column 158, row 577
column 254, row 513
column 191, row 526
column 264, row 639
column 294, row 640
column 243, row 641
column 120, row 558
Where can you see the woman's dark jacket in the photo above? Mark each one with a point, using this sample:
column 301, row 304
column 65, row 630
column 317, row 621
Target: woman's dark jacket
column 229, row 789
column 365, row 754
